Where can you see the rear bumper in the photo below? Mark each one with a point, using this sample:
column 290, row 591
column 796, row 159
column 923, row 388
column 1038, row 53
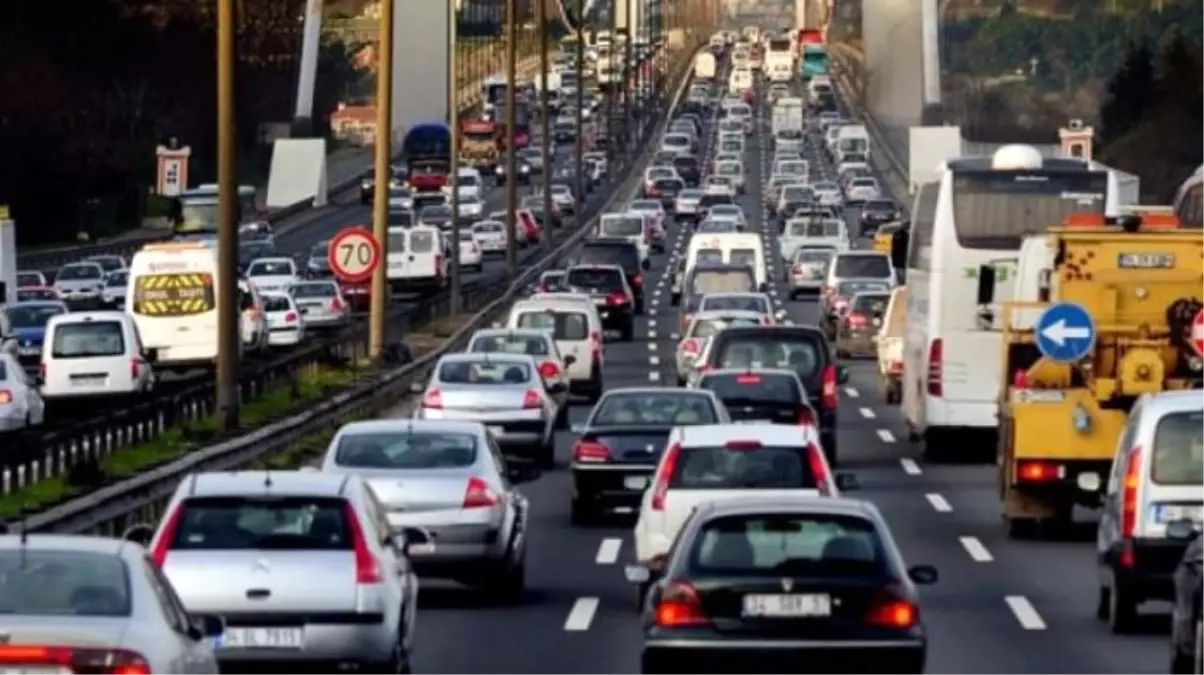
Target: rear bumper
column 782, row 656
column 1152, row 575
column 368, row 641
column 610, row 486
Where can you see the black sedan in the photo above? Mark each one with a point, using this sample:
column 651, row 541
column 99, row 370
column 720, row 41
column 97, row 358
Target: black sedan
column 783, row 585
column 876, row 213
column 622, row 440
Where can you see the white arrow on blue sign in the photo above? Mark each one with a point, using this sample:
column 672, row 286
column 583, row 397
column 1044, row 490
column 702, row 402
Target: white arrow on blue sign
column 1065, row 332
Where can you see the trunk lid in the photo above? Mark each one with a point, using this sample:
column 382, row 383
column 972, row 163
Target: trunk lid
column 264, row 581
column 635, row 445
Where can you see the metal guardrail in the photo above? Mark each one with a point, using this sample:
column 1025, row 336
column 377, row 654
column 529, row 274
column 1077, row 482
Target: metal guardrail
column 48, row 261
column 112, row 509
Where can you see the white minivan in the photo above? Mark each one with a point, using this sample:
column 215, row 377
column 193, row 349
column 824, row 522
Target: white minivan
column 576, row 326
column 416, row 258
column 94, row 354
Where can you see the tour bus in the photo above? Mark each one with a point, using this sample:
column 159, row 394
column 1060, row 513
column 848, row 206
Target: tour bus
column 1189, row 201
column 977, row 213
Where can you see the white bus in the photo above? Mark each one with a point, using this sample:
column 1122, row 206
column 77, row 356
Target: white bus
column 976, row 214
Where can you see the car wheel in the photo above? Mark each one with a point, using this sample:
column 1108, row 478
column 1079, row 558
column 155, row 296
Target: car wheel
column 546, row 454
column 398, row 663
column 628, row 333
column 510, row 582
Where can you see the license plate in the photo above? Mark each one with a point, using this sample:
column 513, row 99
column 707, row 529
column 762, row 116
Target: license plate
column 1169, row 513
column 29, row 351
column 788, row 605
column 87, row 381
column 262, row 638
column 496, row 430
column 635, row 482
column 1146, row 260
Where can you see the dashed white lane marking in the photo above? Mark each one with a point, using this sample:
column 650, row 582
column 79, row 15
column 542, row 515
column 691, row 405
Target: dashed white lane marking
column 674, row 337
column 581, row 615
column 867, row 413
column 654, row 376
column 608, row 551
column 654, row 360
column 1024, row 612
column 651, row 346
column 978, row 552
column 886, row 436
column 651, row 334
column 910, row 467
column 939, row 503
column 851, row 392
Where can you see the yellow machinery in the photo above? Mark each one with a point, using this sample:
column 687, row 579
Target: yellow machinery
column 1059, row 422
column 479, row 143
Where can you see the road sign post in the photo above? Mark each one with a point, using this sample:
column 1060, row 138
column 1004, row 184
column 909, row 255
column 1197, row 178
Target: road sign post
column 1065, row 332
column 354, row 254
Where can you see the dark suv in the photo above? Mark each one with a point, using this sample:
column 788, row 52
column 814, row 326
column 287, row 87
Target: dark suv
column 876, row 213
column 689, row 168
column 621, row 252
column 608, row 287
column 803, row 349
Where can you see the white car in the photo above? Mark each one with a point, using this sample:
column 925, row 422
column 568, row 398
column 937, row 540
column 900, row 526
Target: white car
column 862, row 189
column 850, row 162
column 21, row 406
column 535, row 342
column 286, row 326
column 730, row 461
column 472, row 256
column 828, row 193
column 562, row 198
column 321, row 302
column 733, row 171
column 470, row 207
column 400, row 199
column 270, row 275
column 491, row 235
column 719, row 185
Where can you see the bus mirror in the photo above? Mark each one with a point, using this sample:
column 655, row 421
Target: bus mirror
column 986, row 284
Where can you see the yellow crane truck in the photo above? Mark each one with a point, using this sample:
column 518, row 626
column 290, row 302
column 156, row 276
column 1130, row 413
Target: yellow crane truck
column 1139, row 280
column 479, row 144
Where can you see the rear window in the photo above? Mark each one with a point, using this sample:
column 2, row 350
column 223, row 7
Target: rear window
column 744, row 256
column 774, row 387
column 276, row 303
column 625, row 256
column 406, row 450
column 88, row 339
column 813, row 228
column 669, row 185
column 720, row 468
column 271, row 523
column 484, row 372
column 314, row 291
column 789, row 544
column 510, row 344
column 600, row 279
column 863, row 266
column 801, row 354
column 722, row 281
column 659, row 409
column 422, row 241
column 63, row 583
column 850, row 288
column 400, row 218
column 705, row 328
column 397, row 242
column 751, row 303
column 709, row 255
column 871, row 303
column 571, row 326
column 685, row 163
column 622, row 227
column 1179, row 449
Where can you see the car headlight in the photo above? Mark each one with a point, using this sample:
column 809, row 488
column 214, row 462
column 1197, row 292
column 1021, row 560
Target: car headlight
column 525, row 168
column 499, row 170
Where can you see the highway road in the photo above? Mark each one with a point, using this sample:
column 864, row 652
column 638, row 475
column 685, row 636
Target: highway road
column 1000, row 606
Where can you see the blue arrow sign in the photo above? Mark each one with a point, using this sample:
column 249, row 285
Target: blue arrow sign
column 1065, row 332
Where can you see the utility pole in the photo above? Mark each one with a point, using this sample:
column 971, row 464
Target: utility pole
column 578, row 150
column 545, row 136
column 380, row 196
column 229, row 336
column 453, row 123
column 629, row 71
column 511, row 154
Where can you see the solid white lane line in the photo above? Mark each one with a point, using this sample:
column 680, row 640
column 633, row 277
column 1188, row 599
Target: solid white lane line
column 939, row 503
column 867, row 413
column 581, row 615
column 1025, row 613
column 910, row 467
column 608, row 551
column 978, row 552
column 851, row 392
column 886, row 436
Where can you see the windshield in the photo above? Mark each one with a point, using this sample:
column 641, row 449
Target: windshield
column 74, row 585
column 485, row 371
column 657, row 409
column 33, row 316
column 271, row 268
column 88, row 339
column 406, row 450
column 79, row 272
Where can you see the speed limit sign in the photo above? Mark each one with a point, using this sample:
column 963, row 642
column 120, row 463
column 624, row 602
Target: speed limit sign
column 354, row 254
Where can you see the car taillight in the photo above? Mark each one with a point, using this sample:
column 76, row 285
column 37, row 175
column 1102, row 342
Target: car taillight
column 896, row 367
column 617, row 298
column 549, row 369
column 660, row 487
column 367, row 567
column 806, row 417
column 691, row 346
column 595, row 337
column 438, row 265
column 161, row 545
column 637, row 280
column 1036, row 471
column 839, row 302
column 748, row 378
column 797, row 269
column 58, row 658
column 135, row 368
column 336, row 305
column 478, row 494
column 679, row 605
column 1128, row 505
column 42, row 371
column 591, row 451
column 891, row 610
column 291, row 317
column 856, row 320
column 935, row 351
column 828, row 393
column 433, row 398
column 532, row 399
column 819, row 469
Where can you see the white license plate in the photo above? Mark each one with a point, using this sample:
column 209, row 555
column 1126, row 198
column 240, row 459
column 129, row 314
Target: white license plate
column 496, row 430
column 635, row 482
column 263, row 638
column 1169, row 513
column 788, row 605
column 87, row 381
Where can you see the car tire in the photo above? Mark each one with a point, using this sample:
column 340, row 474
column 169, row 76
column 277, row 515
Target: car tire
column 1122, row 609
column 508, row 582
column 398, row 664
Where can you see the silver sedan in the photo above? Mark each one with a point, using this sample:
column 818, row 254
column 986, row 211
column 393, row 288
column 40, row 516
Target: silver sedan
column 504, row 391
column 321, row 303
column 448, row 480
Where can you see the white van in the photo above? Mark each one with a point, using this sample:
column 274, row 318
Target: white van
column 576, row 326
column 172, row 298
column 94, row 354
column 814, row 232
column 416, row 258
column 704, row 66
column 740, row 80
column 733, row 248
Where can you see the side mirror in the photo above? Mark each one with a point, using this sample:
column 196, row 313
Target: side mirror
column 647, row 264
column 570, row 360
column 522, row 472
column 846, row 482
column 986, row 284
column 646, row 573
column 139, row 534
column 923, row 575
column 842, row 374
column 206, row 626
column 151, row 355
column 417, row 388
column 1181, row 530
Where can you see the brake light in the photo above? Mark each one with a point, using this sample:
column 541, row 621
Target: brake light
column 75, row 659
column 367, row 567
column 1020, row 379
column 1128, row 504
column 532, row 399
column 433, row 398
column 797, row 269
column 660, row 487
column 828, row 394
column 336, row 305
column 595, row 337
column 819, row 469
column 856, row 320
column 748, row 379
column 478, row 494
column 679, row 605
column 162, row 544
column 840, row 302
column 617, row 298
column 896, row 367
column 438, row 265
column 766, row 321
column 135, row 368
column 549, row 369
column 892, row 611
column 691, row 346
column 806, row 417
column 1036, row 471
column 935, row 350
column 637, row 280
column 591, row 451
column 42, row 371
column 291, row 317
column 743, row 444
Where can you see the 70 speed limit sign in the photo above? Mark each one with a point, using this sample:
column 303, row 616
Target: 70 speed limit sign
column 354, row 254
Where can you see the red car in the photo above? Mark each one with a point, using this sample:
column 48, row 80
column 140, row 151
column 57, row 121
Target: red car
column 358, row 296
column 530, row 225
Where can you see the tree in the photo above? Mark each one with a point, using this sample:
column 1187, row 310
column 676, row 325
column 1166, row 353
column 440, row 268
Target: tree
column 1130, row 94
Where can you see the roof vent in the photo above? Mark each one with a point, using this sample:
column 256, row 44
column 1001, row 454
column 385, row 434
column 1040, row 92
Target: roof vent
column 1016, row 157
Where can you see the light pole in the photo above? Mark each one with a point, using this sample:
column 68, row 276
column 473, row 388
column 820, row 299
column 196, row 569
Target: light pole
column 380, row 197
column 578, row 150
column 545, row 147
column 511, row 154
column 453, row 179
column 229, row 335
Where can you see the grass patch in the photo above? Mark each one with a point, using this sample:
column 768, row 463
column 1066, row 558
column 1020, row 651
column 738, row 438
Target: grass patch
column 174, row 443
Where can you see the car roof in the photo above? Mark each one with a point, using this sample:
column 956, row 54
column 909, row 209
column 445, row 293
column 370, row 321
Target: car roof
column 554, row 301
column 406, row 424
column 710, row 435
column 728, row 313
column 657, row 390
column 506, row 332
column 1166, row 402
column 473, row 357
column 70, row 542
column 835, row 506
column 280, row 483
column 778, row 329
